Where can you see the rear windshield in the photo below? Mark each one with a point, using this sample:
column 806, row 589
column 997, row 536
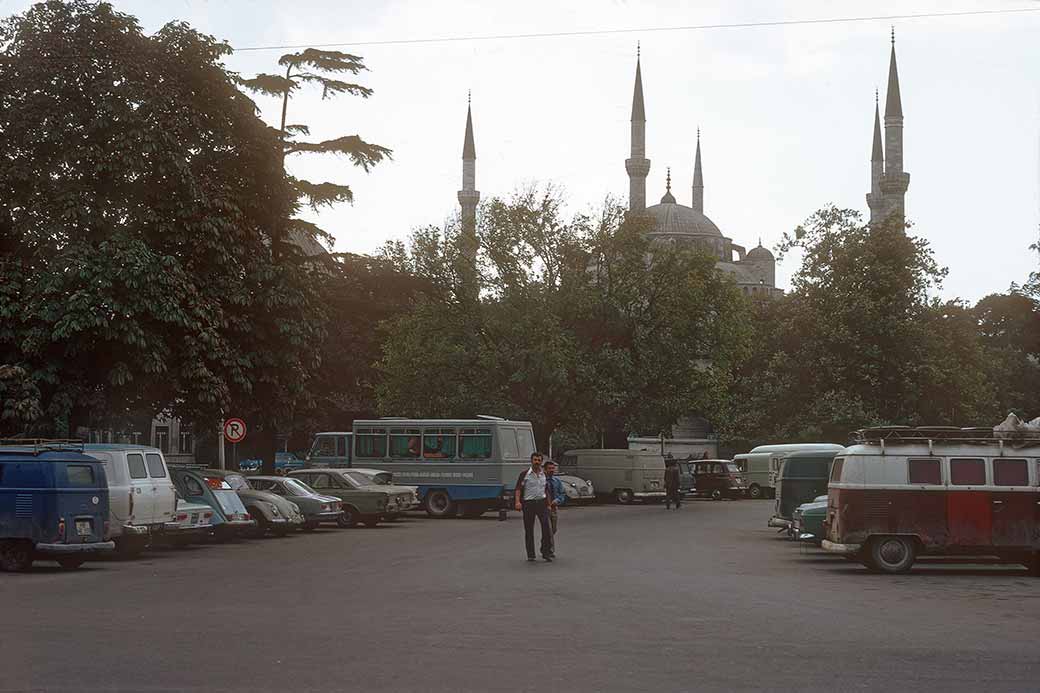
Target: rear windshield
column 228, row 501
column 135, row 462
column 805, row 469
column 80, row 475
column 156, row 470
column 237, row 482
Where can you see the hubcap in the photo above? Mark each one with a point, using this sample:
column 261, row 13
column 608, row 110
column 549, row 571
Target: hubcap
column 439, row 502
column 892, row 552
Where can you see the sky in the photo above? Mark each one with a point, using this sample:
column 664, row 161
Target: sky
column 786, row 112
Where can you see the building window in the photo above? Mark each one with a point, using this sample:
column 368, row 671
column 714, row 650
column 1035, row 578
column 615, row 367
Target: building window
column 186, row 446
column 161, row 439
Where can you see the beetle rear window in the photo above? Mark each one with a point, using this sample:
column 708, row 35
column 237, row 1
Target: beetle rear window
column 967, row 472
column 924, row 472
column 80, row 475
column 1010, row 473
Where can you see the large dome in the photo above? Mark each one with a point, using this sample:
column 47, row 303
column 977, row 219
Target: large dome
column 678, row 220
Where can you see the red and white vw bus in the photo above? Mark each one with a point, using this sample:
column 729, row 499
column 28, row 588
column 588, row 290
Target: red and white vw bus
column 901, row 492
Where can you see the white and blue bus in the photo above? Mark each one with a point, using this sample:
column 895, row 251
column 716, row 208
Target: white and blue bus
column 460, row 466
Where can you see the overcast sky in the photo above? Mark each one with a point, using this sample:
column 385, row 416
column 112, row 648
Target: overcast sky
column 785, row 112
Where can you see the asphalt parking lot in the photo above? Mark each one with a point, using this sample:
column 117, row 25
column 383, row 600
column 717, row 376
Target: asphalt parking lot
column 640, row 598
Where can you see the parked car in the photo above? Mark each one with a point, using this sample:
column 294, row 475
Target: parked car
column 576, row 489
column 899, row 493
column 626, row 475
column 53, row 506
column 191, row 522
column 378, row 476
column 230, row 517
column 365, row 503
column 316, row 507
column 807, row 521
column 272, row 512
column 141, row 494
column 284, row 462
column 384, row 478
column 803, row 476
column 718, row 479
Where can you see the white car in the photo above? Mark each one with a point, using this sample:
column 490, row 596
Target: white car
column 191, row 522
column 576, row 489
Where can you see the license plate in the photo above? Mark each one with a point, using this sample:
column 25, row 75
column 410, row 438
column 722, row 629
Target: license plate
column 83, row 528
column 194, row 518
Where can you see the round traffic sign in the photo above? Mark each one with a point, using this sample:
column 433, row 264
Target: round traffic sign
column 235, row 430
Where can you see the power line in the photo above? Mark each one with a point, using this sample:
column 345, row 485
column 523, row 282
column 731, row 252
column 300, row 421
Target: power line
column 602, row 32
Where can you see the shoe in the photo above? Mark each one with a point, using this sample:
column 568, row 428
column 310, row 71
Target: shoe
column 547, row 559
column 531, row 559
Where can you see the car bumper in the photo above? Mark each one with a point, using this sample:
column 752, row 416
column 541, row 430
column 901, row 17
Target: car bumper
column 841, row 549
column 64, row 549
column 181, row 530
column 325, row 517
column 136, row 530
column 650, row 494
column 779, row 522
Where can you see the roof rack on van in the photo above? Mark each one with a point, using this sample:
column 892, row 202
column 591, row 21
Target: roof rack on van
column 978, row 435
column 38, row 445
column 489, row 417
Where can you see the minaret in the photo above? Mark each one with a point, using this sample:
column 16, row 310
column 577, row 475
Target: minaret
column 638, row 166
column 469, row 196
column 875, row 200
column 895, row 181
column 698, row 178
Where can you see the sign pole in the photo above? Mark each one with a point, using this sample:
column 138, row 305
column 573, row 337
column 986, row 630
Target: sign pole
column 220, row 446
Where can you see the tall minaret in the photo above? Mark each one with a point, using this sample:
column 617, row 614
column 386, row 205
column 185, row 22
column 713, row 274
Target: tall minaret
column 698, row 178
column 875, row 200
column 638, row 166
column 895, row 181
column 469, row 196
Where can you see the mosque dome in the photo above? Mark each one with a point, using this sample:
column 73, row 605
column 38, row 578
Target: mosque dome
column 679, row 220
column 760, row 254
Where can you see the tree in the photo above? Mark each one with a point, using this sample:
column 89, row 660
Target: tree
column 579, row 325
column 317, row 67
column 139, row 195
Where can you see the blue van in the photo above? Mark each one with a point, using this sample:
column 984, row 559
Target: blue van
column 53, row 506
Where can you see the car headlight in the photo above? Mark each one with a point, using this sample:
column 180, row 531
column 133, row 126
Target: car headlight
column 274, row 510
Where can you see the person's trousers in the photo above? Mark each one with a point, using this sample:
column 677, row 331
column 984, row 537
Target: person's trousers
column 552, row 525
column 674, row 497
column 537, row 509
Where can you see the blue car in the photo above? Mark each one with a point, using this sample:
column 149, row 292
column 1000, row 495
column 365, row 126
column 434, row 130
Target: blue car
column 230, row 516
column 53, row 506
column 284, row 462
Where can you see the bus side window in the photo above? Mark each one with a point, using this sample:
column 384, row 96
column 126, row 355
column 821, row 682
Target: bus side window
column 371, row 442
column 341, row 446
column 405, row 443
column 967, row 472
column 476, row 443
column 525, row 442
column 924, row 472
column 439, row 443
column 507, row 443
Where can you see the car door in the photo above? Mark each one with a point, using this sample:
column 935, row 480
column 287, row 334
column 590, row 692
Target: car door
column 1013, row 500
column 164, row 498
column 969, row 511
column 143, row 505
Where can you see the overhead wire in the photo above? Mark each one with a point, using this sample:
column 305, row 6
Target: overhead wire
column 642, row 30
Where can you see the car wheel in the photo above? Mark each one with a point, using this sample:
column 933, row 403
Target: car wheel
column 439, row 504
column 892, row 555
column 15, row 556
column 71, row 562
column 623, row 496
column 260, row 528
column 716, row 494
column 347, row 518
column 372, row 523
column 754, row 492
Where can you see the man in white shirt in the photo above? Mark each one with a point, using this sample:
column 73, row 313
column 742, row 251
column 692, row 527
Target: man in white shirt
column 531, row 498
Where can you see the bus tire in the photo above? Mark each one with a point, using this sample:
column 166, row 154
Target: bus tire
column 754, row 492
column 623, row 496
column 891, row 554
column 439, row 504
column 16, row 556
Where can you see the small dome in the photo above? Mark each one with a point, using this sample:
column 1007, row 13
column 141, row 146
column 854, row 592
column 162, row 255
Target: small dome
column 760, row 254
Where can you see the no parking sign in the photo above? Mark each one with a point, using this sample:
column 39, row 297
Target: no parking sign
column 234, row 430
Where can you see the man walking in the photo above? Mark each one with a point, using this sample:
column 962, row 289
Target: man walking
column 554, row 490
column 532, row 500
column 671, row 484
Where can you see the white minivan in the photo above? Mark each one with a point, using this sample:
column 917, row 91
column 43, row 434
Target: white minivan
column 142, row 498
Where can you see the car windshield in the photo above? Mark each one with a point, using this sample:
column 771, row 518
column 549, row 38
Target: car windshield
column 732, row 469
column 296, row 488
column 236, row 481
column 359, row 479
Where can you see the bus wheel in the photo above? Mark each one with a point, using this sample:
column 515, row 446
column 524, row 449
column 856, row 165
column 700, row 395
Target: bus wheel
column 754, row 492
column 623, row 496
column 439, row 504
column 892, row 555
column 15, row 556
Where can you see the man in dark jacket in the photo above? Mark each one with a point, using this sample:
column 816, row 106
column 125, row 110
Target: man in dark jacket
column 671, row 484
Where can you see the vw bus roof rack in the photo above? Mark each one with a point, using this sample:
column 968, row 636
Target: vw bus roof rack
column 973, row 435
column 38, row 445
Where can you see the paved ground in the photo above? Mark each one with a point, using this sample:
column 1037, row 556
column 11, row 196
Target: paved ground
column 640, row 599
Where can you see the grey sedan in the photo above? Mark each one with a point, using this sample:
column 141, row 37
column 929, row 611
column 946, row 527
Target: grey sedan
column 315, row 507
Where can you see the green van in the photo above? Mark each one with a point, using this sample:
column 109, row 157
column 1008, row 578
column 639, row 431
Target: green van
column 803, row 476
column 761, row 465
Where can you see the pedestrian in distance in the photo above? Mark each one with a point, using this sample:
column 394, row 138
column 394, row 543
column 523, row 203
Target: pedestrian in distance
column 554, row 490
column 671, row 484
column 532, row 500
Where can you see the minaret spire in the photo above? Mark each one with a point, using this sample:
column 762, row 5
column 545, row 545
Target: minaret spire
column 637, row 165
column 698, row 178
column 895, row 181
column 875, row 200
column 468, row 195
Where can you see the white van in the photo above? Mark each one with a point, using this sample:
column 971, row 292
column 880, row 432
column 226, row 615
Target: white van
column 142, row 498
column 762, row 464
column 624, row 474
